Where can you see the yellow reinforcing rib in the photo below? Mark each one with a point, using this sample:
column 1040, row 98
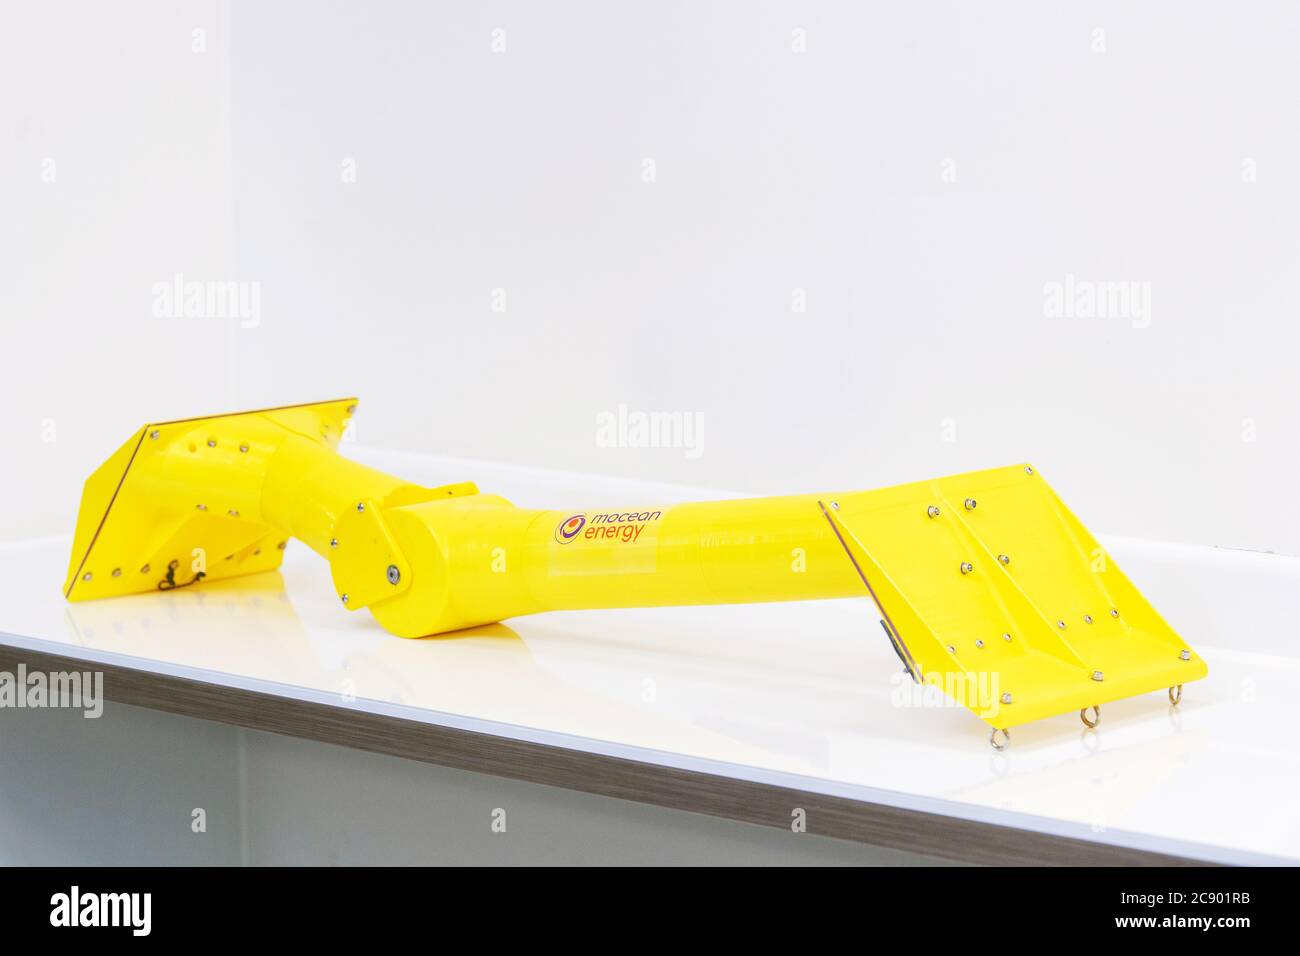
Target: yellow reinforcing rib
column 987, row 585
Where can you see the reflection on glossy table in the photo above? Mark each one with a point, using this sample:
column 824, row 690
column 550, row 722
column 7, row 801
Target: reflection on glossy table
column 808, row 695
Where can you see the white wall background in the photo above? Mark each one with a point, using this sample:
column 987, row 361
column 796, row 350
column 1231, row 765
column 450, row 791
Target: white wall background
column 1164, row 150
column 114, row 174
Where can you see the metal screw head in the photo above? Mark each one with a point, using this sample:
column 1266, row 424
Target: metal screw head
column 1006, row 698
column 145, row 569
column 1028, row 470
column 835, row 505
column 212, row 443
column 969, row 504
column 243, row 447
column 1006, row 637
column 201, row 507
column 334, row 542
column 344, row 598
column 394, row 575
column 1061, row 625
column 1114, row 612
column 117, row 572
column 282, row 545
column 1004, row 558
column 1098, row 676
column 154, row 434
column 1087, row 619
column 361, row 506
column 979, row 643
column 87, row 576
column 1185, row 655
column 967, row 567
column 951, row 649
column 233, row 513
column 932, row 511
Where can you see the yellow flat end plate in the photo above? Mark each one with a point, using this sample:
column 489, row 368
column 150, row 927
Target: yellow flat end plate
column 1004, row 600
column 188, row 492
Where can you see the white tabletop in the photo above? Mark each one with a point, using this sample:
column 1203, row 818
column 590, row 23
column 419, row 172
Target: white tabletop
column 806, row 695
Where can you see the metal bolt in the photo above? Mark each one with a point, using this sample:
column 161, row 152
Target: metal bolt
column 212, row 443
column 334, row 542
column 87, row 576
column 932, row 511
column 970, row 504
column 1087, row 619
column 154, row 434
column 117, row 572
column 243, row 447
column 1061, row 625
column 979, row 643
column 1004, row 558
column 967, row 567
column 1028, row 470
column 951, row 649
column 1006, row 637
column 345, row 598
column 394, row 575
column 1114, row 612
column 361, row 506
column 1006, row 698
column 1097, row 676
column 1185, row 655
column 835, row 505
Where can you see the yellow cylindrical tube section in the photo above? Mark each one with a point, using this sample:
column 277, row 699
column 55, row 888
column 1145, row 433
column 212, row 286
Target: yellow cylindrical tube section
column 478, row 559
column 307, row 487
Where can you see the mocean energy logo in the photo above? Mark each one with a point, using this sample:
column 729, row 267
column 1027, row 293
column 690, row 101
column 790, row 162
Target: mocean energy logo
column 569, row 528
column 624, row 526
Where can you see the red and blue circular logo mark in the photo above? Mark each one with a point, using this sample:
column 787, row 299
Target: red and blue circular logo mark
column 569, row 528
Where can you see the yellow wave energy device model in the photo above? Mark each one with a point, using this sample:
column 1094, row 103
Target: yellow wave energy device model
column 987, row 586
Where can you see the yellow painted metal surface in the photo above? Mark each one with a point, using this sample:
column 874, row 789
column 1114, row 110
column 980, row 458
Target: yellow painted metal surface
column 988, row 587
column 1004, row 592
column 187, row 496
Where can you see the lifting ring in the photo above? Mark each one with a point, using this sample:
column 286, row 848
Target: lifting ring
column 1083, row 715
column 1175, row 694
column 1006, row 738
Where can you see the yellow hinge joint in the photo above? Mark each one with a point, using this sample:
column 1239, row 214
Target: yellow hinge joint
column 365, row 562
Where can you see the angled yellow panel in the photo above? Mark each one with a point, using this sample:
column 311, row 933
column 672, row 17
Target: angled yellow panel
column 999, row 593
column 97, row 497
column 180, row 502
